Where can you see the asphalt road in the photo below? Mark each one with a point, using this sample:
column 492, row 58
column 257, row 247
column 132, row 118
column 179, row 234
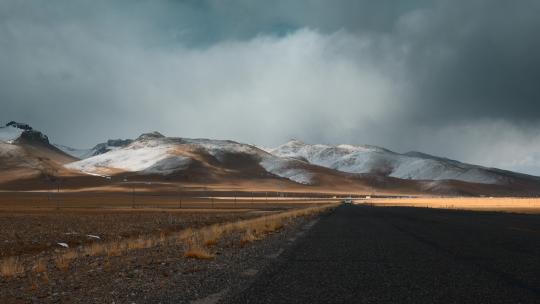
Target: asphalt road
column 362, row 254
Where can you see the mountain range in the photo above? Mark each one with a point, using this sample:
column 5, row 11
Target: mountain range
column 26, row 154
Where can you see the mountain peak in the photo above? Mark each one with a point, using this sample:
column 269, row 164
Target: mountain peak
column 151, row 135
column 295, row 142
column 32, row 137
column 16, row 132
column 19, row 125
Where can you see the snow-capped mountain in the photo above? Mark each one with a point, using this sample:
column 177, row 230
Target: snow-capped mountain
column 302, row 163
column 154, row 153
column 27, row 153
column 372, row 159
column 10, row 133
column 109, row 145
column 77, row 153
column 14, row 132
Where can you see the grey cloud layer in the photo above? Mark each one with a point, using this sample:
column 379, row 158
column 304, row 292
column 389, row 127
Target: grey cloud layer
column 453, row 78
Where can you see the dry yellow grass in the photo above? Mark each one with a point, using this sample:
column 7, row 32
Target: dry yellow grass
column 40, row 266
column 198, row 253
column 138, row 243
column 248, row 237
column 210, row 235
column 250, row 230
column 194, row 250
column 94, row 249
column 508, row 204
column 63, row 260
column 196, row 241
column 11, row 267
column 116, row 248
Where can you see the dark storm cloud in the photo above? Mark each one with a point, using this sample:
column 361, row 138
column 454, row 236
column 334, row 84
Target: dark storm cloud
column 476, row 60
column 453, row 78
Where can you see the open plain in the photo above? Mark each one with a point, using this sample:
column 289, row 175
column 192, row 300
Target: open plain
column 139, row 241
column 238, row 246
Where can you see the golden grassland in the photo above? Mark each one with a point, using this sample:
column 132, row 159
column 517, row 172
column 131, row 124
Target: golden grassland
column 197, row 242
column 502, row 204
column 10, row 267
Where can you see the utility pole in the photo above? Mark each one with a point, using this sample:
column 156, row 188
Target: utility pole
column 58, row 194
column 234, row 199
column 179, row 198
column 49, row 192
column 132, row 196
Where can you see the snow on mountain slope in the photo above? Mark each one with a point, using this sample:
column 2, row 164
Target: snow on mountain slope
column 371, row 159
column 21, row 133
column 109, row 145
column 78, row 153
column 26, row 153
column 15, row 162
column 284, row 168
column 144, row 156
column 155, row 154
column 220, row 148
column 9, row 134
column 8, row 151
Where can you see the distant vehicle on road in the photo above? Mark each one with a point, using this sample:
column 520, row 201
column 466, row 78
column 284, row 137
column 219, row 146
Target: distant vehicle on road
column 347, row 200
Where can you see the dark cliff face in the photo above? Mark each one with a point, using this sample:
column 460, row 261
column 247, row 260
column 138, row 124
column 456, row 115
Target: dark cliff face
column 29, row 135
column 152, row 135
column 33, row 137
column 119, row 142
column 19, row 125
column 106, row 147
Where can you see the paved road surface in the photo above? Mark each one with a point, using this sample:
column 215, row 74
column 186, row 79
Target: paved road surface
column 362, row 254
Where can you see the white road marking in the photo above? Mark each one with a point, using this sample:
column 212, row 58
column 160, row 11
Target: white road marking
column 250, row 272
column 211, row 299
column 275, row 255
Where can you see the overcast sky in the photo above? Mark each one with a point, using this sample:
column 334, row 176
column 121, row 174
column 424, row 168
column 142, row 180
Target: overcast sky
column 459, row 79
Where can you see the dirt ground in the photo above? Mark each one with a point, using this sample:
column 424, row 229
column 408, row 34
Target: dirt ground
column 35, row 231
column 143, row 198
column 159, row 274
column 36, row 222
column 34, row 235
